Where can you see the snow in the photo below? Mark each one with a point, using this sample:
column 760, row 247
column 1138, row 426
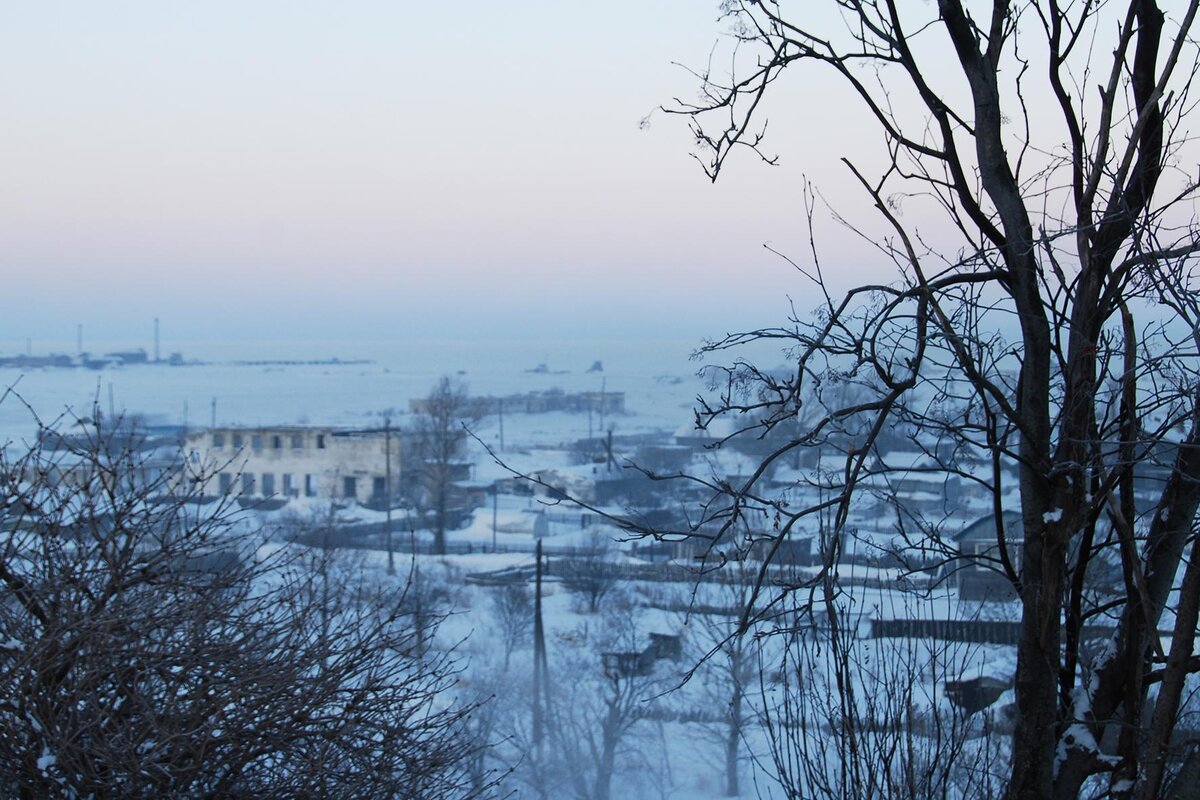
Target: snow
column 356, row 395
column 1078, row 737
column 1052, row 516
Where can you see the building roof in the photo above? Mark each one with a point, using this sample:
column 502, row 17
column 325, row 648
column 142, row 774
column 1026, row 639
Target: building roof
column 985, row 527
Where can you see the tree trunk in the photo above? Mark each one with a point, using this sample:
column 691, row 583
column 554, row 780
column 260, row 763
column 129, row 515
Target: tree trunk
column 604, row 771
column 731, row 757
column 439, row 522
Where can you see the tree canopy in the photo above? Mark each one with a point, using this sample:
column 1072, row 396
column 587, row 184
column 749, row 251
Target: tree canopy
column 1052, row 142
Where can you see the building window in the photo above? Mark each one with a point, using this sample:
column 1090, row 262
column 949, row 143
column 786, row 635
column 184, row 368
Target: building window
column 256, row 441
column 310, row 486
column 320, row 441
column 297, row 441
column 379, row 488
column 238, row 440
column 247, row 483
column 225, row 482
column 288, row 489
column 276, row 442
column 350, row 488
column 218, row 440
column 268, row 484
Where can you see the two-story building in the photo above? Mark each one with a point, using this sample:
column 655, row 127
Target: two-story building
column 286, row 461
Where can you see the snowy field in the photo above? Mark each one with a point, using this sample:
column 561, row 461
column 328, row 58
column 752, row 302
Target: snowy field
column 674, row 742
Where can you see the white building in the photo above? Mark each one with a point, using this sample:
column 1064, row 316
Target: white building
column 298, row 461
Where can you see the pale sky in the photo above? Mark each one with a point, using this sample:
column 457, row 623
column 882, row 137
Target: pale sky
column 384, row 168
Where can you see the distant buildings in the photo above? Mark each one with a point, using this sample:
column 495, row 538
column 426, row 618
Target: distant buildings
column 147, row 453
column 119, row 358
column 138, row 356
column 54, row 360
column 538, row 403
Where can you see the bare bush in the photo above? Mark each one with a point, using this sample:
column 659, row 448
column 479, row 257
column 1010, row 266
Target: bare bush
column 152, row 646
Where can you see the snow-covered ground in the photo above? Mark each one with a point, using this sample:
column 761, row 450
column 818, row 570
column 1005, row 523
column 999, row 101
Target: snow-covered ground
column 675, row 749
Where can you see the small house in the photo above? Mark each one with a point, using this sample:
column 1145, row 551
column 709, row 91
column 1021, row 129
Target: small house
column 978, row 570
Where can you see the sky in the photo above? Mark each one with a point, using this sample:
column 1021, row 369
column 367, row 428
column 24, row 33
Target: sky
column 380, row 169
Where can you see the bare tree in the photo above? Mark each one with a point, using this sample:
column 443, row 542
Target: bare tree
column 593, row 574
column 512, row 609
column 152, row 645
column 601, row 695
column 441, row 440
column 1051, row 140
column 727, row 662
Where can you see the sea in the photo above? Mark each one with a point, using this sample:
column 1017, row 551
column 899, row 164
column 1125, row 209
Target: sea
column 270, row 383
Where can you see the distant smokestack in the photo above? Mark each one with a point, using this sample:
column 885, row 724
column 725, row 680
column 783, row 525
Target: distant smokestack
column 156, row 339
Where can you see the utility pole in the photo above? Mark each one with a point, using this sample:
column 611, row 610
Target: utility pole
column 156, row 359
column 387, row 490
column 603, row 386
column 500, row 411
column 495, row 500
column 412, row 529
column 539, row 644
column 541, row 679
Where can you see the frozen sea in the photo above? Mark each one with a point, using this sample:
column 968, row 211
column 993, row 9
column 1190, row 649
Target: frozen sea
column 658, row 377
